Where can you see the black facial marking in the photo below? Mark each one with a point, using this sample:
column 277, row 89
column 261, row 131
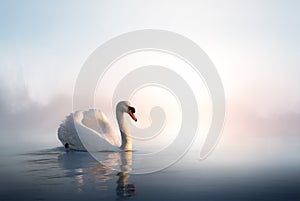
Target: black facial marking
column 131, row 109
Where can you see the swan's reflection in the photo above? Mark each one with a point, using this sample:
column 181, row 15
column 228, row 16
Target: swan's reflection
column 89, row 173
column 124, row 188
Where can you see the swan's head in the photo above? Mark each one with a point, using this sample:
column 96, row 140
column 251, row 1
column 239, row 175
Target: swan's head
column 125, row 107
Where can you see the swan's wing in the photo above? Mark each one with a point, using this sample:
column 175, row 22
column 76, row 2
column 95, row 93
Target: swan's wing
column 67, row 134
column 94, row 130
column 93, row 140
column 98, row 122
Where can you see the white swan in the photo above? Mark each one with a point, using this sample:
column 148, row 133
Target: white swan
column 96, row 131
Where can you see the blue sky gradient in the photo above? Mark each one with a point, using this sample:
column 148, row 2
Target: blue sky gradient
column 254, row 45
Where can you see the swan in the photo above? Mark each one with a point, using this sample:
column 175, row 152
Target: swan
column 96, row 131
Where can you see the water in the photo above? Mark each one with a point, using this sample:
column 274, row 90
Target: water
column 57, row 174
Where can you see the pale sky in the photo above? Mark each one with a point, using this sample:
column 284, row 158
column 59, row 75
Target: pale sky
column 255, row 46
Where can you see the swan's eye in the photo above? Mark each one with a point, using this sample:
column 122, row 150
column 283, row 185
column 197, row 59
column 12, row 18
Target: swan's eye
column 131, row 109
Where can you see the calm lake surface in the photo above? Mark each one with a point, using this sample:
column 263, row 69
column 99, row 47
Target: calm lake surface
column 57, row 174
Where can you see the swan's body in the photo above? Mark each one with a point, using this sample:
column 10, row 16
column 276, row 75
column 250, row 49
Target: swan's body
column 95, row 130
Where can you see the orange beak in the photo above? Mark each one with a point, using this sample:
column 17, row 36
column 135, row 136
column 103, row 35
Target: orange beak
column 132, row 115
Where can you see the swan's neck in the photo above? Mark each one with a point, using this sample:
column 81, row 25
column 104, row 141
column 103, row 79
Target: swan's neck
column 125, row 136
